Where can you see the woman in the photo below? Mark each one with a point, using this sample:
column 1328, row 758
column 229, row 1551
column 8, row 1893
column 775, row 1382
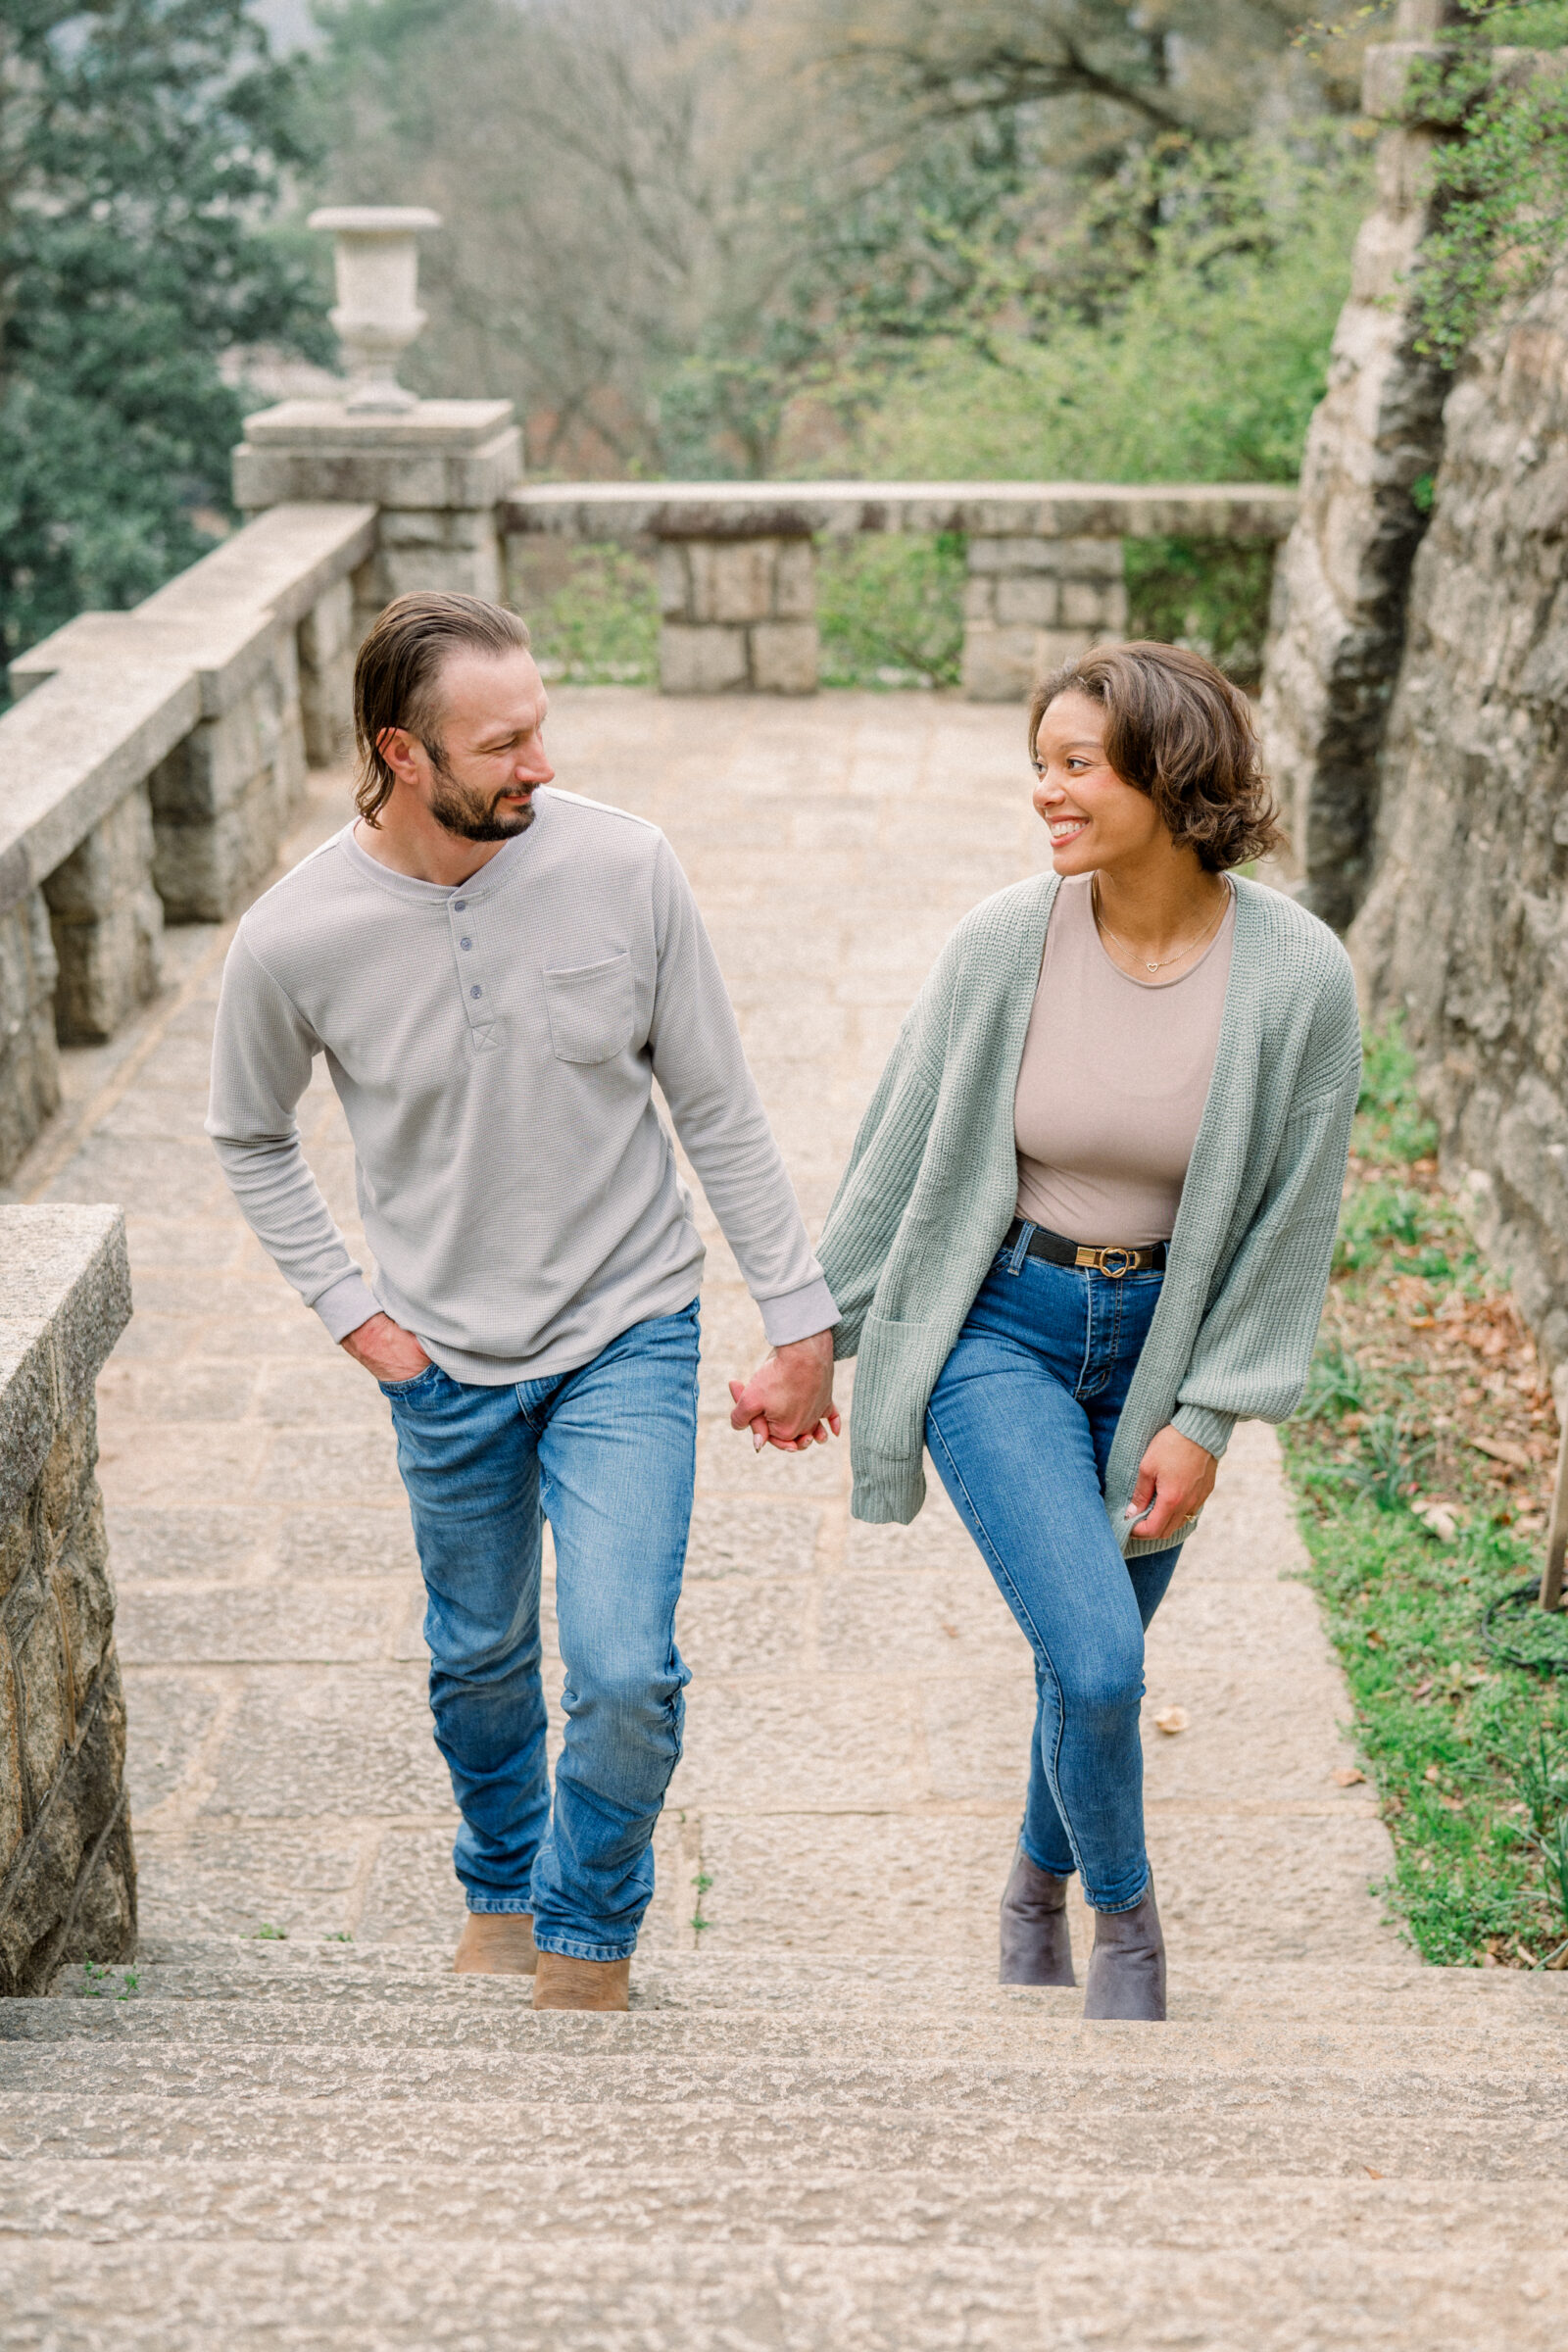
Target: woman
column 1087, row 1226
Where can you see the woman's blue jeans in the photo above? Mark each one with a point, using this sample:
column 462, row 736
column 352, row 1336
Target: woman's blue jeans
column 608, row 1455
column 1019, row 1427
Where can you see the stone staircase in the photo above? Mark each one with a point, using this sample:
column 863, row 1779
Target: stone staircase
column 324, row 2148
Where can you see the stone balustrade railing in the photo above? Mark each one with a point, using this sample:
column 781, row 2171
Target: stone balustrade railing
column 67, row 1878
column 152, row 759
column 737, row 562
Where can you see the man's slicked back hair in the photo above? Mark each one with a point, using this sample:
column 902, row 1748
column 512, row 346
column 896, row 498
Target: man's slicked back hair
column 1179, row 730
column 397, row 678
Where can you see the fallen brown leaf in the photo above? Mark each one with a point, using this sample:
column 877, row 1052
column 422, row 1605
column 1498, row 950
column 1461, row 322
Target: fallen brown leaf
column 1503, row 1450
column 1346, row 1776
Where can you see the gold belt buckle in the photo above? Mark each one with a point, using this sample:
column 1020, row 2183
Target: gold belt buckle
column 1114, row 1262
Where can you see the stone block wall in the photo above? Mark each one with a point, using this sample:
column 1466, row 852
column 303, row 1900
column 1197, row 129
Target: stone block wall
column 739, row 615
column 108, row 923
column 29, row 1060
column 67, row 1879
column 1465, row 926
column 1031, row 605
column 326, row 642
column 222, row 799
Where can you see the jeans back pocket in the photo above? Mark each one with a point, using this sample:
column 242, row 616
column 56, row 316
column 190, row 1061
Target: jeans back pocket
column 592, row 1010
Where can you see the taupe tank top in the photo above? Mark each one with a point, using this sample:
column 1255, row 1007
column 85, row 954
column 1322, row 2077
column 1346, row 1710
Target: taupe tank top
column 1112, row 1083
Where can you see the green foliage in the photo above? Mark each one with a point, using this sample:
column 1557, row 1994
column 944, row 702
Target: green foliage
column 1469, row 1754
column 1501, row 179
column 1212, row 594
column 891, row 611
column 142, row 143
column 1392, row 1128
column 600, row 625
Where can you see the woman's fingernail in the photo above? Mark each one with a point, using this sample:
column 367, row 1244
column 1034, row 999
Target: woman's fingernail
column 757, row 1441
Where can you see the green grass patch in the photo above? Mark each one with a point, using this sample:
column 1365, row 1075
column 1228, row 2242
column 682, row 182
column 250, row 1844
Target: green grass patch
column 1421, row 1458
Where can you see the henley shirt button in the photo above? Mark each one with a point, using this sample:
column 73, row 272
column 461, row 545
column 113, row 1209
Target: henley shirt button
column 476, row 991
column 464, row 943
column 459, row 903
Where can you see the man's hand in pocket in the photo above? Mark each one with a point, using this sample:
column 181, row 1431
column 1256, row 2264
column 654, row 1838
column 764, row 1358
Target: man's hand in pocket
column 385, row 1350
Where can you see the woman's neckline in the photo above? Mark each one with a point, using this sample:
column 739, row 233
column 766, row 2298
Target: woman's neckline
column 1155, row 987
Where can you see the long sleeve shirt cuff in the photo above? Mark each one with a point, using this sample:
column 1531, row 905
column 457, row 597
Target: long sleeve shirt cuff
column 796, row 1314
column 349, row 1302
column 1210, row 1430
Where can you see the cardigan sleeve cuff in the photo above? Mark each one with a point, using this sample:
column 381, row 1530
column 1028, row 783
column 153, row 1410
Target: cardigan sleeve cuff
column 349, row 1302
column 1211, row 1431
column 798, row 1314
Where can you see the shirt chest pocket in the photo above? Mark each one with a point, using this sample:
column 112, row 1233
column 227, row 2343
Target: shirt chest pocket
column 592, row 1010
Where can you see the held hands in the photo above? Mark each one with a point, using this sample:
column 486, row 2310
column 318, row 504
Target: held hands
column 385, row 1350
column 788, row 1402
column 1175, row 1479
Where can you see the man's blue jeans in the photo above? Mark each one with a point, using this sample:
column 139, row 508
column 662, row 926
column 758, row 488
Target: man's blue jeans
column 608, row 1455
column 1019, row 1427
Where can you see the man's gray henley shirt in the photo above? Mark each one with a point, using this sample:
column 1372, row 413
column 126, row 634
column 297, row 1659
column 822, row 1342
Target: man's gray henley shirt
column 494, row 1047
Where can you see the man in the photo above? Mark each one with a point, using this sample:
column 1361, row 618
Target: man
column 497, row 973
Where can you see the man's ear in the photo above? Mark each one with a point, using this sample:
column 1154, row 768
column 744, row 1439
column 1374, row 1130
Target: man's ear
column 397, row 748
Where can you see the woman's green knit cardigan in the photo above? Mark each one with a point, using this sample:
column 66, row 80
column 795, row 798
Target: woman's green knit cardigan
column 932, row 1184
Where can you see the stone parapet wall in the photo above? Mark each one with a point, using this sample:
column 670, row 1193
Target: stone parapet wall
column 148, row 769
column 67, row 1878
column 1465, row 925
column 737, row 562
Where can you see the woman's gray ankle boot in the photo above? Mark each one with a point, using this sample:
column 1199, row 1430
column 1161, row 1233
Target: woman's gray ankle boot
column 1035, row 1945
column 1127, row 1966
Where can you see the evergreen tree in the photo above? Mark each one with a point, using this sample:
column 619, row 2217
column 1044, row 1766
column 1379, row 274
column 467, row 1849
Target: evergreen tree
column 141, row 149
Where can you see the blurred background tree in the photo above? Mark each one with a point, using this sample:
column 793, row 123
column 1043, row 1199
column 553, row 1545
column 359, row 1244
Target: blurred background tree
column 142, row 148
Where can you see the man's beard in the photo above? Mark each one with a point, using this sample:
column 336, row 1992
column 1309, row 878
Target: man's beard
column 470, row 813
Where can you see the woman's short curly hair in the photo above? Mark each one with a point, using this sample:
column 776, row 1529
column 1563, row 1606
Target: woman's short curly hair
column 1179, row 730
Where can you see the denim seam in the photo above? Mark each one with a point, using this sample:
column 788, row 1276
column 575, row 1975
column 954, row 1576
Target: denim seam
column 999, row 1572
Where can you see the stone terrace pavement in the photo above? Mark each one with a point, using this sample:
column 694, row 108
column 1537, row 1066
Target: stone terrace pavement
column 859, row 1715
column 823, row 2128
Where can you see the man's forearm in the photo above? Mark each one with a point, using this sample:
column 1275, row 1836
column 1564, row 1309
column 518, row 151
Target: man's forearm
column 281, row 1202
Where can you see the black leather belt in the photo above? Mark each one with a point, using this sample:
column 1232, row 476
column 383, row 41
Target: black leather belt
column 1059, row 1252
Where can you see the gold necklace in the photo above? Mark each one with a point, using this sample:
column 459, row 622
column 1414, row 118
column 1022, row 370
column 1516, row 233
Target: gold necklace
column 1165, row 961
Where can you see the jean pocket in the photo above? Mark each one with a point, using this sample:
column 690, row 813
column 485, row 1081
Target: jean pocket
column 592, row 1010
column 398, row 1389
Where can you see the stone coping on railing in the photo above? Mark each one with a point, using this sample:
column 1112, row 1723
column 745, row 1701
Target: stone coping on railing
column 105, row 698
column 719, row 511
column 65, row 1298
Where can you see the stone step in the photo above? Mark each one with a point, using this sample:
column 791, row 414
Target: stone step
column 1132, row 2067
column 770, row 2121
column 599, row 2296
column 1289, row 1991
column 1022, row 2030
column 286, row 2203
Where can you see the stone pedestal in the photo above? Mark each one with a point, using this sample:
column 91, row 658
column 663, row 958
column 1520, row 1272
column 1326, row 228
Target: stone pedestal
column 436, row 473
column 108, row 923
column 68, row 1880
column 738, row 616
column 1031, row 605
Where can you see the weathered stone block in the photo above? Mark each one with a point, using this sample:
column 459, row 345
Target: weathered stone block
column 1098, row 606
column 1000, row 665
column 784, row 656
column 66, row 1872
column 203, row 866
column 732, row 582
column 326, row 644
column 1061, row 559
column 700, row 660
column 461, row 571
column 675, row 577
column 795, row 580
column 30, row 1056
column 108, row 924
column 1031, row 598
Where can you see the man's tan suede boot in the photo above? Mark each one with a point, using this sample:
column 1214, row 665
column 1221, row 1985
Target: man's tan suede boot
column 566, row 1984
column 496, row 1943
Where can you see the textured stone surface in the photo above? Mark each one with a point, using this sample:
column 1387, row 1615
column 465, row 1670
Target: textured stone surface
column 1342, row 579
column 108, row 923
column 823, row 2124
column 1463, row 924
column 29, row 1072
column 67, row 1876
